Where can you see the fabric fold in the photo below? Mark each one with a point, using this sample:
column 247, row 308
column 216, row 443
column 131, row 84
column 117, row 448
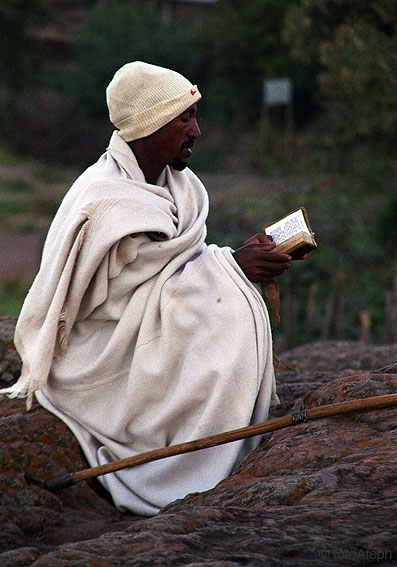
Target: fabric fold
column 138, row 335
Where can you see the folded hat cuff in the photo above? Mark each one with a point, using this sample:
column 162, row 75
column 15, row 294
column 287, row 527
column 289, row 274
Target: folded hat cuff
column 154, row 118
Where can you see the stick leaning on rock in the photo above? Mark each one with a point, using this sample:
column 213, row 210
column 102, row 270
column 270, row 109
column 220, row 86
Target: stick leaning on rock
column 376, row 402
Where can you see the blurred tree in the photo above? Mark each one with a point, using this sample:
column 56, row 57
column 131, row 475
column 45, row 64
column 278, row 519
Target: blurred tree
column 20, row 58
column 350, row 48
column 113, row 33
column 19, row 54
column 243, row 47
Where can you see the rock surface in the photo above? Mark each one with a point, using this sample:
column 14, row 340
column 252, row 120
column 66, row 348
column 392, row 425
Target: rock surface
column 10, row 363
column 317, row 494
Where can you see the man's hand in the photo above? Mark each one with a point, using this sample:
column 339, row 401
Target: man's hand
column 257, row 260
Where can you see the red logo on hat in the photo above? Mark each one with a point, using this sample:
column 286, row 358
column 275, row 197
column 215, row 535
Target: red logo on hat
column 193, row 92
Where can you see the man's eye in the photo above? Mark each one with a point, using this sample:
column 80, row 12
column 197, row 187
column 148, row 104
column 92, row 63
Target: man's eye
column 185, row 120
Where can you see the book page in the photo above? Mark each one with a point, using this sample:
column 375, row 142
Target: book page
column 287, row 227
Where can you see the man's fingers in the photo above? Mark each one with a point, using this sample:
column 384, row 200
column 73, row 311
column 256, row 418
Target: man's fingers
column 259, row 238
column 262, row 245
column 268, row 247
column 270, row 256
column 273, row 267
column 260, row 263
column 274, row 271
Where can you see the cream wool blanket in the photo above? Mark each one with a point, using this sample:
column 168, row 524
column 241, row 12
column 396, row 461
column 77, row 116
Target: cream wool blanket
column 138, row 335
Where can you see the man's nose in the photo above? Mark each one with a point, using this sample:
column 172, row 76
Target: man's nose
column 194, row 131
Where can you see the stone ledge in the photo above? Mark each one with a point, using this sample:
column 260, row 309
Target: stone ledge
column 320, row 493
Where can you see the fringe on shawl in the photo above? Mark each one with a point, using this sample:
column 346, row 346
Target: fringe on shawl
column 61, row 341
column 21, row 389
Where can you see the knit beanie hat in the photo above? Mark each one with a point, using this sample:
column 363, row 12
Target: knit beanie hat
column 142, row 98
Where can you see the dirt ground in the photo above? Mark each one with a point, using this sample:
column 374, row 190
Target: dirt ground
column 20, row 256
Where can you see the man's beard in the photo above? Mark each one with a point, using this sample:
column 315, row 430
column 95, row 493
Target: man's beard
column 179, row 164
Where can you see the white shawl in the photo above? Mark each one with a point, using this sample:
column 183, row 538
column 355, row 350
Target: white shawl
column 138, row 335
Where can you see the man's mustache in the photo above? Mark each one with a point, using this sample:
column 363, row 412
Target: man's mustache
column 188, row 144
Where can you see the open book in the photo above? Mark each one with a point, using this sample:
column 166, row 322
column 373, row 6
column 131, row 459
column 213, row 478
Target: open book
column 292, row 234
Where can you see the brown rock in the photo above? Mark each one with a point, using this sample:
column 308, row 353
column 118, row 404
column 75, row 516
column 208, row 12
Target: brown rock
column 317, row 494
column 312, row 365
column 35, row 447
column 10, row 363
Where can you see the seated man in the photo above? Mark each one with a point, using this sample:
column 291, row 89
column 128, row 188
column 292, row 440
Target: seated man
column 136, row 333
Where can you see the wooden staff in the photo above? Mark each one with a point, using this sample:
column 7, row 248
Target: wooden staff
column 376, row 402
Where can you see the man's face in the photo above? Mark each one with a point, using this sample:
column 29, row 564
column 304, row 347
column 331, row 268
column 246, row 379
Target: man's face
column 173, row 142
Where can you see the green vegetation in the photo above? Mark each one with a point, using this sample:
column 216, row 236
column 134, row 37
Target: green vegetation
column 30, row 192
column 100, row 50
column 20, row 57
column 12, row 295
column 350, row 49
column 242, row 46
column 341, row 57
